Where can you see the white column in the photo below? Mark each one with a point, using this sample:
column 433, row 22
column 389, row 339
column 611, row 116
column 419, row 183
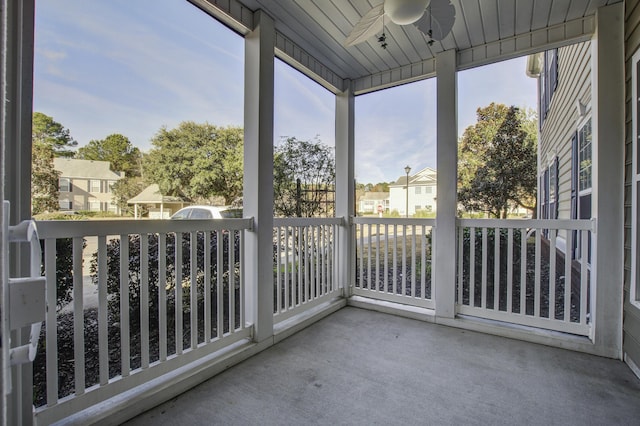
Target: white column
column 258, row 174
column 447, row 168
column 608, row 178
column 345, row 196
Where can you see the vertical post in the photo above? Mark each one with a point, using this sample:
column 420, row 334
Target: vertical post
column 345, row 184
column 258, row 173
column 16, row 162
column 608, row 179
column 447, row 161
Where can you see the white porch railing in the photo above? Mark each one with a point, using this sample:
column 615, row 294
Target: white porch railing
column 306, row 260
column 527, row 275
column 394, row 260
column 185, row 299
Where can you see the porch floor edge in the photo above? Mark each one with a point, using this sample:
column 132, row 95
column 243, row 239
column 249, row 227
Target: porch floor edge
column 482, row 325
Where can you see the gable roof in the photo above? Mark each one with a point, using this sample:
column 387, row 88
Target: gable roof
column 370, row 195
column 151, row 194
column 86, row 169
column 426, row 176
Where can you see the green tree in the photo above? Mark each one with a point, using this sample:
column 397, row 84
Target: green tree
column 125, row 189
column 304, row 176
column 497, row 161
column 197, row 161
column 50, row 139
column 47, row 131
column 117, row 150
column 44, row 180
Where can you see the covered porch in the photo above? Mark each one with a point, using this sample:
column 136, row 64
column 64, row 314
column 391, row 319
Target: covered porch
column 280, row 296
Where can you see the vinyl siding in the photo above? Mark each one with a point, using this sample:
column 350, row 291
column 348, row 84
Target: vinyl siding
column 631, row 325
column 562, row 121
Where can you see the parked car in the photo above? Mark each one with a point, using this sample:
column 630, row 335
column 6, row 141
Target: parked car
column 207, row 212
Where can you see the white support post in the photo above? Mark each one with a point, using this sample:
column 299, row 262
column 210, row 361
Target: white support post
column 608, row 179
column 447, row 166
column 345, row 188
column 258, row 173
column 16, row 160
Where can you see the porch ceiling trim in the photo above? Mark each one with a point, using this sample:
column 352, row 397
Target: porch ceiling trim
column 240, row 18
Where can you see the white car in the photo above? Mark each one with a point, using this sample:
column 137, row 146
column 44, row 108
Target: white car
column 207, row 212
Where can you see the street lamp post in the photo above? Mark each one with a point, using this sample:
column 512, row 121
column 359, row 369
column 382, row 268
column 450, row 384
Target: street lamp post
column 406, row 211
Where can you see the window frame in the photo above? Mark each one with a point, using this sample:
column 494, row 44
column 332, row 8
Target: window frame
column 91, row 186
column 68, row 186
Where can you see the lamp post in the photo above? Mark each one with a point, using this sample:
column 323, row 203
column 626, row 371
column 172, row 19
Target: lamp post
column 406, row 211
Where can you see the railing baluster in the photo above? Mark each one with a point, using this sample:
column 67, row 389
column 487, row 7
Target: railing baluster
column 220, row 285
column 193, row 288
column 433, row 269
column 286, row 283
column 386, row 258
column 178, row 303
column 423, row 262
column 103, row 336
column 124, row 305
column 496, row 270
column 552, row 273
column 523, row 271
column 232, row 282
column 377, row 278
column 483, row 298
column 52, row 321
column 144, row 300
column 278, row 271
column 369, row 279
column 162, row 295
column 300, row 265
column 584, row 275
column 361, row 253
column 314, row 261
column 404, row 260
column 207, row 286
column 413, row 261
column 472, row 266
column 460, row 263
column 538, row 263
column 510, row 270
column 395, row 259
column 568, row 277
column 78, row 316
column 241, row 280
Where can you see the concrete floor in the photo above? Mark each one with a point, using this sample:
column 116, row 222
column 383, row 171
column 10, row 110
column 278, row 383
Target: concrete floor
column 364, row 367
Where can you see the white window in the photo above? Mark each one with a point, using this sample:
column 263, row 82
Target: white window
column 94, row 186
column 635, row 182
column 64, row 185
column 94, row 206
column 64, row 204
column 428, row 189
column 584, row 156
column 418, row 190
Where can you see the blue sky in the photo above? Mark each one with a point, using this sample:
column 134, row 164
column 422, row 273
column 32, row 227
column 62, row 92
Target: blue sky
column 131, row 67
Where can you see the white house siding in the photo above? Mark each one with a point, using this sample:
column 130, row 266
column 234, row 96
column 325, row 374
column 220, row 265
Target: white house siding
column 562, row 121
column 423, row 199
column 631, row 325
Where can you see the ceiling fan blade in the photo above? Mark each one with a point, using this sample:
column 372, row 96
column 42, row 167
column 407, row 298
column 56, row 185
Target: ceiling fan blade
column 370, row 24
column 439, row 17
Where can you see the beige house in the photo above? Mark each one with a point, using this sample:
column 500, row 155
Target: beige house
column 373, row 202
column 86, row 185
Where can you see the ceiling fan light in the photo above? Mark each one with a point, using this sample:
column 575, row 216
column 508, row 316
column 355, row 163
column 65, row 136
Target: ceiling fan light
column 404, row 12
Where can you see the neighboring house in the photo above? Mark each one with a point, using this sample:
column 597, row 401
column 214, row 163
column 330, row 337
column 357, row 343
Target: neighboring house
column 373, row 202
column 421, row 193
column 565, row 133
column 86, row 185
column 159, row 206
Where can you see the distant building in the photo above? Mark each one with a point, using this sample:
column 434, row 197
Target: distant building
column 421, row 192
column 159, row 206
column 86, row 185
column 373, row 202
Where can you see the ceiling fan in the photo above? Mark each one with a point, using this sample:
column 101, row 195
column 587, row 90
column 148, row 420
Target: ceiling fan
column 434, row 18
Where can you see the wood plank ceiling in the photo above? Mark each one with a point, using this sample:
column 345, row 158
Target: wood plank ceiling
column 319, row 28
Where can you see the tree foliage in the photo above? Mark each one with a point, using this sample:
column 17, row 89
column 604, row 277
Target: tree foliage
column 497, row 161
column 44, row 180
column 313, row 164
column 50, row 139
column 48, row 132
column 117, row 150
column 197, row 161
column 125, row 189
